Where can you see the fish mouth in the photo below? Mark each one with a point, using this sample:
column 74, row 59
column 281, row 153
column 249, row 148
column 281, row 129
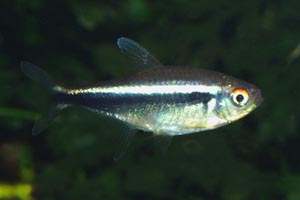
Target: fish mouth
column 258, row 99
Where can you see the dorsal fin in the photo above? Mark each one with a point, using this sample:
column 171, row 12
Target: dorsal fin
column 137, row 53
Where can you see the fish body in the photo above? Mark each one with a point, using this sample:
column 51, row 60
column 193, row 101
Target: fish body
column 169, row 100
column 165, row 100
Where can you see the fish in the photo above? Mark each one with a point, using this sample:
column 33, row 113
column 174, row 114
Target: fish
column 165, row 100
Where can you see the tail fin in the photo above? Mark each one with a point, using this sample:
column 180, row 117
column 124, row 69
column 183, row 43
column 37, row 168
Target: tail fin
column 39, row 75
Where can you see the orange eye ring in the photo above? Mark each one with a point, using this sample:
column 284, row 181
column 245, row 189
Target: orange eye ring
column 240, row 96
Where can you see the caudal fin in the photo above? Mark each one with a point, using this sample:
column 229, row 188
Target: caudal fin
column 37, row 74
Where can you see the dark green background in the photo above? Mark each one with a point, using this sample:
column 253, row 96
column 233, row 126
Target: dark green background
column 75, row 41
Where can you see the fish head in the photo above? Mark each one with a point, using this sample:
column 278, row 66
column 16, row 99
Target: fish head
column 238, row 99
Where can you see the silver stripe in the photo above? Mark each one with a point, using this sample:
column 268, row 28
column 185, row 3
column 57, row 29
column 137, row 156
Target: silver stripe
column 150, row 89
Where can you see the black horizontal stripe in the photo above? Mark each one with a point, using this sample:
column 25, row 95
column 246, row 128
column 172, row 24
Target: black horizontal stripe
column 107, row 100
column 200, row 97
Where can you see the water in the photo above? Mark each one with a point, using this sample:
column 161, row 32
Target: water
column 254, row 158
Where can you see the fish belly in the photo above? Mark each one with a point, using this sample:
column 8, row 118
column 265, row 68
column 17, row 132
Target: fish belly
column 170, row 119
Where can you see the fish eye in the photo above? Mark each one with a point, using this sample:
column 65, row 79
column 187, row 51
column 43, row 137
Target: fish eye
column 240, row 96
